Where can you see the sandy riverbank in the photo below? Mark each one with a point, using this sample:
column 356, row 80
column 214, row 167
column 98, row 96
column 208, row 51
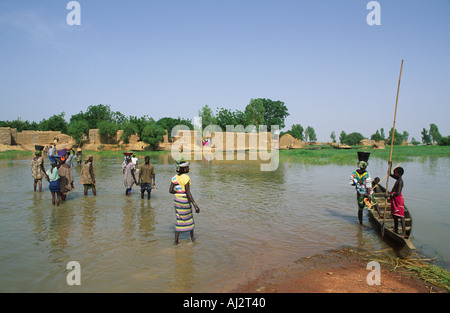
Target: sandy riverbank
column 340, row 271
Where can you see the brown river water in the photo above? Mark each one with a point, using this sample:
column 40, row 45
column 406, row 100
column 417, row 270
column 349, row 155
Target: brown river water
column 249, row 221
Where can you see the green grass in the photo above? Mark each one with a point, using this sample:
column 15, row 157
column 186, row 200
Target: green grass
column 326, row 155
column 12, row 154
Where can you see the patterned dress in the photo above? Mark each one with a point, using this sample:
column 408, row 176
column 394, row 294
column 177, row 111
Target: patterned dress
column 36, row 170
column 183, row 208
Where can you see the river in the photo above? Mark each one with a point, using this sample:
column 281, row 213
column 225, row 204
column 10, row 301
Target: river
column 249, row 221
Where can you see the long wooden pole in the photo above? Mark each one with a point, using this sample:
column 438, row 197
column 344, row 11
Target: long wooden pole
column 392, row 147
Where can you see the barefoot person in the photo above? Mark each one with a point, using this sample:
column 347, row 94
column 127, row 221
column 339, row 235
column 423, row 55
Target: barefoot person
column 66, row 178
column 397, row 200
column 87, row 175
column 146, row 177
column 363, row 183
column 38, row 170
column 129, row 177
column 181, row 187
column 53, row 178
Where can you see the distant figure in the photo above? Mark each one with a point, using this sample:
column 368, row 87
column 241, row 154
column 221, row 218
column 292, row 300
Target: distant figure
column 69, row 156
column 397, row 200
column 128, row 175
column 51, row 153
column 134, row 160
column 88, row 176
column 180, row 186
column 53, row 178
column 146, row 177
column 79, row 156
column 38, row 170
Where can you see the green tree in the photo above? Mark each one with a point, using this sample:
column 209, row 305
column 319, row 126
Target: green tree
column 97, row 113
column 77, row 129
column 398, row 138
column 152, row 134
column 426, row 138
column 342, row 137
column 333, row 136
column 434, row 133
column 310, row 134
column 207, row 116
column 297, row 131
column 353, row 139
column 376, row 136
column 168, row 123
column 55, row 123
column 275, row 113
column 254, row 112
column 108, row 128
column 444, row 141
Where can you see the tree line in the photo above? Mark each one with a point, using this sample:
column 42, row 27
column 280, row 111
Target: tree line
column 108, row 122
column 258, row 112
column 431, row 136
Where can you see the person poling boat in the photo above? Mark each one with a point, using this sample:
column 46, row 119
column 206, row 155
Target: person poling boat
column 397, row 201
column 363, row 183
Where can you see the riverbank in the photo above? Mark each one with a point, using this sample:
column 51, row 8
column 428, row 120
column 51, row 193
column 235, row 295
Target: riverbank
column 345, row 271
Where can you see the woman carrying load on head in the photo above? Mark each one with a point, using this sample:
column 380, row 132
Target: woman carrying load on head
column 181, row 187
column 88, row 176
column 38, row 170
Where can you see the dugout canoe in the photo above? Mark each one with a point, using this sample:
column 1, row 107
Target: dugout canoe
column 389, row 232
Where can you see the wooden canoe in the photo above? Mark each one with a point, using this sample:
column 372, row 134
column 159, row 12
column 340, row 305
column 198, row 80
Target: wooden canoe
column 389, row 223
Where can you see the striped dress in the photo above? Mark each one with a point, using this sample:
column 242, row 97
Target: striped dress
column 183, row 208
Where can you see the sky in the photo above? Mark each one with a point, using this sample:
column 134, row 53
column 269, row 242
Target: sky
column 169, row 58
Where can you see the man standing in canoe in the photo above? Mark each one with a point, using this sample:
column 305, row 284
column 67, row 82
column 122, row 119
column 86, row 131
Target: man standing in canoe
column 397, row 200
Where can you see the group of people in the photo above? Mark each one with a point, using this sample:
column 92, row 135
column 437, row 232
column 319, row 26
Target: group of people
column 59, row 175
column 146, row 178
column 60, row 181
column 366, row 189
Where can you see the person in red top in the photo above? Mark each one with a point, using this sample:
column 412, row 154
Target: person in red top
column 397, row 200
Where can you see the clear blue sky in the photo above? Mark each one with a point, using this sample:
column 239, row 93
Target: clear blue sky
column 161, row 58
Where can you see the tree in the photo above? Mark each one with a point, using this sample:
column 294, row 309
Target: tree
column 168, row 123
column 353, row 139
column 434, row 133
column 426, row 138
column 77, row 129
column 254, row 112
column 275, row 113
column 376, row 136
column 342, row 137
column 152, row 134
column 310, row 134
column 414, row 142
column 54, row 123
column 444, row 141
column 333, row 136
column 207, row 116
column 108, row 128
column 398, row 138
column 297, row 131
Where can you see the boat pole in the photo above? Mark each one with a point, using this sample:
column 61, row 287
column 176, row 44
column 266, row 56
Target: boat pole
column 390, row 156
